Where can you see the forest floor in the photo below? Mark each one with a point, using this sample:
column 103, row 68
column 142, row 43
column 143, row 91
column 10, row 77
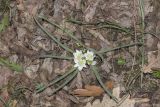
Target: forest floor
column 38, row 39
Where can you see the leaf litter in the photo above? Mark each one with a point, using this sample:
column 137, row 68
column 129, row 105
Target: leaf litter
column 25, row 40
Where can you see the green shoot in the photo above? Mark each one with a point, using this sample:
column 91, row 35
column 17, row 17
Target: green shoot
column 11, row 65
column 156, row 74
column 121, row 61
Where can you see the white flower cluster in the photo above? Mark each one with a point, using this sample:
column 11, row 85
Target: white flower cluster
column 81, row 59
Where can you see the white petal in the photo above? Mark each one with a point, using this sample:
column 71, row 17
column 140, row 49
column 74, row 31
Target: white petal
column 80, row 68
column 94, row 63
column 76, row 65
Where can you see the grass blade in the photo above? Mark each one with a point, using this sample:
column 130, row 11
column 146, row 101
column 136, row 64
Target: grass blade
column 52, row 37
column 11, row 65
column 69, row 33
column 113, row 49
column 103, row 24
column 62, row 29
column 94, row 70
column 56, row 80
column 117, row 28
column 56, row 57
column 66, row 81
column 66, row 31
column 141, row 4
column 4, row 23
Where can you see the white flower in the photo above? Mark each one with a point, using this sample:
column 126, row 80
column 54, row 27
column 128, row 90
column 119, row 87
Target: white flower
column 89, row 56
column 78, row 55
column 93, row 63
column 80, row 64
column 79, row 60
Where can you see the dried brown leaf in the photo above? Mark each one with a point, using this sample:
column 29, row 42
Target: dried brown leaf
column 92, row 90
column 89, row 90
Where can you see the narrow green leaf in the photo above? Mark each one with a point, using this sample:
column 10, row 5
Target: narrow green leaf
column 66, row 81
column 4, row 23
column 56, row 57
column 11, row 65
column 52, row 37
column 95, row 71
column 68, row 32
column 56, row 80
column 116, row 48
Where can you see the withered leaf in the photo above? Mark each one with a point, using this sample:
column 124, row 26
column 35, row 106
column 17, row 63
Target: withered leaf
column 92, row 90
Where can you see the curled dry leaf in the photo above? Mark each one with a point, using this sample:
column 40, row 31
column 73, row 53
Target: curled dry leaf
column 92, row 90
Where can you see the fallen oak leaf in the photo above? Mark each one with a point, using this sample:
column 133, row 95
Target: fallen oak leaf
column 92, row 90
